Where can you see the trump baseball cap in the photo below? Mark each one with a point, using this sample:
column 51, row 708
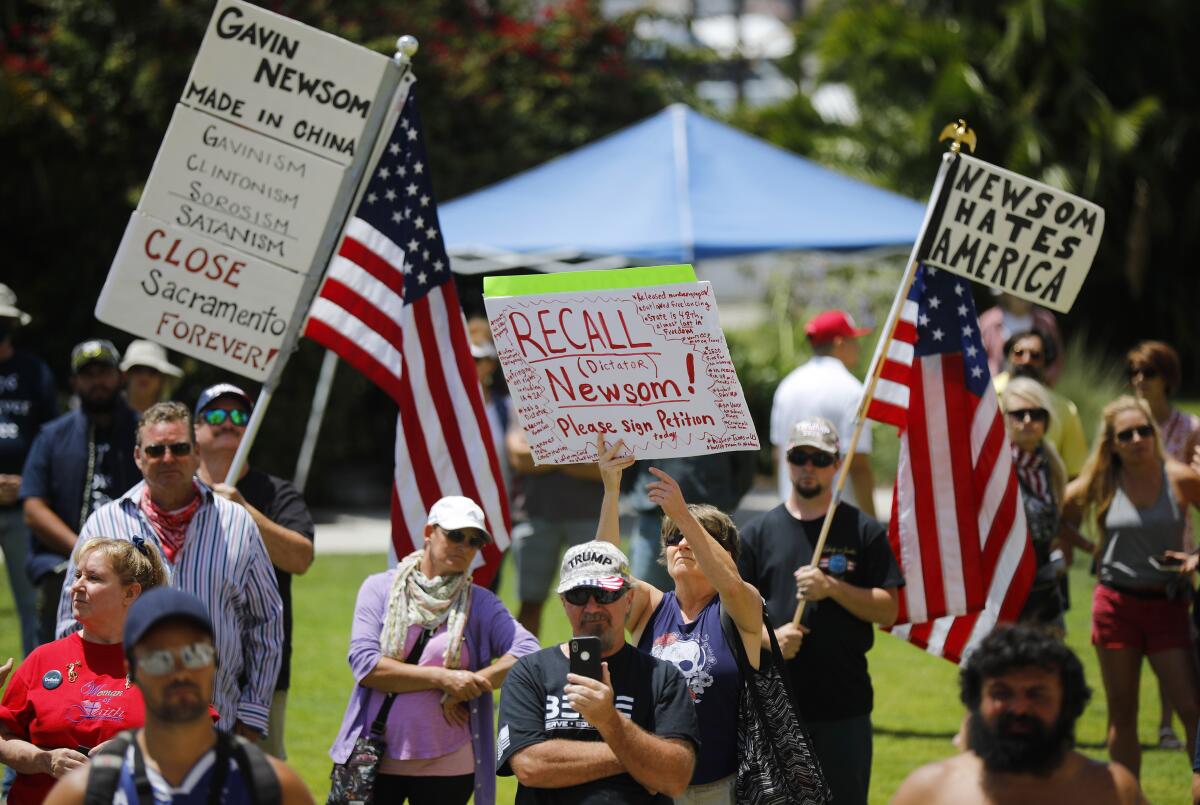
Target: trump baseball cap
column 161, row 604
column 831, row 324
column 816, row 432
column 594, row 564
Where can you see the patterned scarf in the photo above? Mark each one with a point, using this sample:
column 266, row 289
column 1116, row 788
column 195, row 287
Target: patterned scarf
column 417, row 600
column 171, row 527
column 1031, row 473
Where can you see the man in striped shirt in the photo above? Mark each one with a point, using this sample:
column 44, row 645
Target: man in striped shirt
column 214, row 551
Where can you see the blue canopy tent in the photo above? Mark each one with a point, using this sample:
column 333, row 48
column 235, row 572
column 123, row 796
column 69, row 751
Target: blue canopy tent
column 675, row 188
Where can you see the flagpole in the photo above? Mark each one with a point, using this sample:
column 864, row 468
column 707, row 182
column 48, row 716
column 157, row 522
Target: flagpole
column 919, row 250
column 406, row 48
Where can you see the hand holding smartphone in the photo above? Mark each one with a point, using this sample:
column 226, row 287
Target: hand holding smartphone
column 1165, row 562
column 584, row 655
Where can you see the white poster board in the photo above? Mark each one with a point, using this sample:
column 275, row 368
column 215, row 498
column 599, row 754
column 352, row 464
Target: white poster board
column 1017, row 235
column 647, row 365
column 199, row 297
column 244, row 189
column 280, row 77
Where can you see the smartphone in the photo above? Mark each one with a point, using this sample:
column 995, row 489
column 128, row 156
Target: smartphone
column 1164, row 562
column 585, row 656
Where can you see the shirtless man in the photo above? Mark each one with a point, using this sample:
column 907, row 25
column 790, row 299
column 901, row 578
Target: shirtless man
column 1024, row 691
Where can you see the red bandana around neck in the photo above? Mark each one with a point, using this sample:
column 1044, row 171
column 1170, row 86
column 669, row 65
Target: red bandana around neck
column 171, row 527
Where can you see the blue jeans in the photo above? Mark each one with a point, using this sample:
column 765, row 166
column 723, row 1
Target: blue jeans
column 14, row 540
column 645, row 548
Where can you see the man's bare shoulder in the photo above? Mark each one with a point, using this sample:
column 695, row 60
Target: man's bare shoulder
column 1107, row 782
column 953, row 780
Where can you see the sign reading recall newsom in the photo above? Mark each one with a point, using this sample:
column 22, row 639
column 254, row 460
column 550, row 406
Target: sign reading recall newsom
column 1020, row 236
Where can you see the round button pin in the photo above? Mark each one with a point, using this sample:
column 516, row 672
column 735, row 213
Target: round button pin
column 52, row 680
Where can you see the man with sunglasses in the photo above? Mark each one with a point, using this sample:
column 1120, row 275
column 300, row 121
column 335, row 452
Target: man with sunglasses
column 177, row 756
column 222, row 413
column 77, row 463
column 854, row 586
column 630, row 736
column 214, row 551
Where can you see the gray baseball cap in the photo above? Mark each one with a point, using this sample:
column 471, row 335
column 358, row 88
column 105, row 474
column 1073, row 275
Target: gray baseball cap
column 594, row 564
column 816, row 432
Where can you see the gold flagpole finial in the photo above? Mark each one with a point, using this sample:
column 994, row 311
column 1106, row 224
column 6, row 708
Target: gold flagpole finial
column 960, row 133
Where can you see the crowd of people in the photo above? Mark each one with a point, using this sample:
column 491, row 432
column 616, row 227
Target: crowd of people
column 155, row 606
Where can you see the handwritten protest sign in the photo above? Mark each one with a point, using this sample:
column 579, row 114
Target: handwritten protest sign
column 196, row 296
column 282, row 78
column 645, row 364
column 243, row 189
column 1020, row 236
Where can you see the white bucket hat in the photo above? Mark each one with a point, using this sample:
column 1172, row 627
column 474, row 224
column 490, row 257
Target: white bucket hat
column 148, row 353
column 8, row 306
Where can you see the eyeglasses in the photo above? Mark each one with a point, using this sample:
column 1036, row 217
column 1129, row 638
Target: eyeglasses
column 459, row 535
column 216, row 416
column 191, row 657
column 178, row 449
column 1029, row 415
column 580, row 595
column 818, row 460
column 1126, row 436
column 1031, row 354
column 1147, row 372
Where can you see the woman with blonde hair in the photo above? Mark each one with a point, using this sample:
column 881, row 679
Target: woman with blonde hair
column 1139, row 499
column 72, row 695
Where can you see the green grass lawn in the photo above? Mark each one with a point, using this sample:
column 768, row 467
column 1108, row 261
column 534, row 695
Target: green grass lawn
column 916, row 710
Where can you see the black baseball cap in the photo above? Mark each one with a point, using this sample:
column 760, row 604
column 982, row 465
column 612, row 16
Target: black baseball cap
column 221, row 390
column 159, row 604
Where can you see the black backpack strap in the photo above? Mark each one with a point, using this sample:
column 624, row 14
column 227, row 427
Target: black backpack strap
column 104, row 770
column 256, row 769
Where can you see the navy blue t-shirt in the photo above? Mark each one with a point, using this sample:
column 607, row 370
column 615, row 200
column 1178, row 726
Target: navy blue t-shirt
column 27, row 399
column 698, row 649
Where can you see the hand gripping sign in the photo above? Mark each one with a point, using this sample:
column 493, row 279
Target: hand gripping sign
column 635, row 354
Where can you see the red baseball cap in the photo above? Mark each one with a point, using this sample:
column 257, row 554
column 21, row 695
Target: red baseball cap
column 832, row 323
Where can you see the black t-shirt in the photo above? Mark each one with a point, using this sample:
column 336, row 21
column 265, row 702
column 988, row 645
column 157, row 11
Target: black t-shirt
column 282, row 503
column 533, row 709
column 104, row 470
column 830, row 670
column 27, row 399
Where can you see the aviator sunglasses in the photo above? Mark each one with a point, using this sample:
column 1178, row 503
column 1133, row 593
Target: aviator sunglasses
column 1126, row 436
column 580, row 595
column 1030, row 414
column 802, row 457
column 164, row 661
column 217, row 416
column 178, row 449
column 459, row 535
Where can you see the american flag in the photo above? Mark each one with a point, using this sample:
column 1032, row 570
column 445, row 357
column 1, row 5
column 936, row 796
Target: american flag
column 389, row 307
column 958, row 524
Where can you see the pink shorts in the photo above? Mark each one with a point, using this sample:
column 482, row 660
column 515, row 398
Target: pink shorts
column 1150, row 625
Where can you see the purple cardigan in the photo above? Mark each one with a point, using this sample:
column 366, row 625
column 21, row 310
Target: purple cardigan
column 491, row 632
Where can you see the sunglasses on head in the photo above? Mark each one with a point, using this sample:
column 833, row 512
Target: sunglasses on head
column 191, row 657
column 459, row 535
column 1030, row 414
column 178, row 449
column 816, row 458
column 580, row 595
column 1147, row 372
column 217, row 416
column 1126, row 436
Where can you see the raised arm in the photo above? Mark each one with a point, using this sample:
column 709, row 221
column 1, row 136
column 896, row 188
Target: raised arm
column 740, row 598
column 611, row 464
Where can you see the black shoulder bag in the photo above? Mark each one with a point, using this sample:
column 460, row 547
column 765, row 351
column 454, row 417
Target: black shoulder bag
column 775, row 762
column 353, row 782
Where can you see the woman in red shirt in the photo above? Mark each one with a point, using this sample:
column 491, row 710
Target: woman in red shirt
column 71, row 695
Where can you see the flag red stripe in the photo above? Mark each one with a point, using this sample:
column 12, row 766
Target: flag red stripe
column 349, row 300
column 413, row 441
column 354, row 355
column 895, row 372
column 925, row 506
column 887, row 413
column 373, row 264
column 905, row 331
column 966, row 508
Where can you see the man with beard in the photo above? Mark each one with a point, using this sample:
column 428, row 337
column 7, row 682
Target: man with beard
column 1024, row 691
column 854, row 586
column 177, row 756
column 630, row 736
column 77, row 463
column 1027, row 354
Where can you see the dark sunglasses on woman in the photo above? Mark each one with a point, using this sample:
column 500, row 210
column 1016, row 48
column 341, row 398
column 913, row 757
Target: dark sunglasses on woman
column 459, row 535
column 1029, row 414
column 1126, row 436
column 816, row 458
column 217, row 416
column 1147, row 372
column 580, row 595
column 178, row 449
